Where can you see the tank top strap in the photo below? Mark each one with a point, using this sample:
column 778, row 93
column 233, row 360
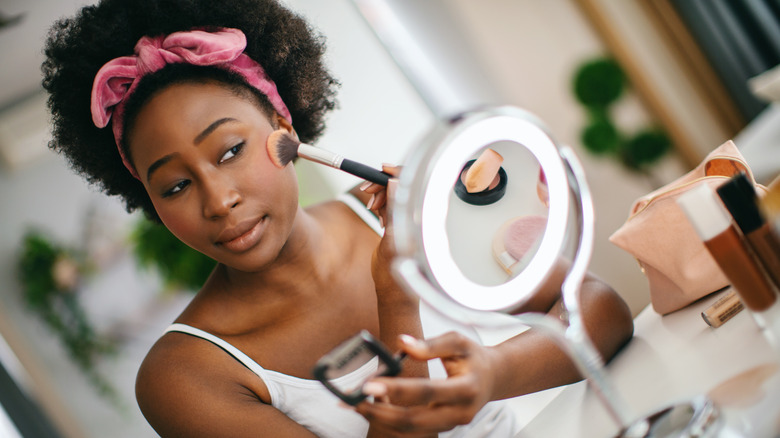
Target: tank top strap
column 360, row 209
column 231, row 350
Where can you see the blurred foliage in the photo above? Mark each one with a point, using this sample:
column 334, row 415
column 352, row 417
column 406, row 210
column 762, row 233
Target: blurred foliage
column 644, row 148
column 601, row 137
column 50, row 275
column 180, row 266
column 598, row 84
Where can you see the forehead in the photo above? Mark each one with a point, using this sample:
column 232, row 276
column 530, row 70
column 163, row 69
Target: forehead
column 175, row 116
column 189, row 100
column 181, row 108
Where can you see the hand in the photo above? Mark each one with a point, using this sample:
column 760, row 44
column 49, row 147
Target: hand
column 385, row 251
column 414, row 407
column 380, row 194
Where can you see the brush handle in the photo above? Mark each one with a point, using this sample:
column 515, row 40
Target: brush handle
column 336, row 161
column 366, row 172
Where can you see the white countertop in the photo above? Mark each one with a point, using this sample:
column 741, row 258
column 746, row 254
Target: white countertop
column 671, row 358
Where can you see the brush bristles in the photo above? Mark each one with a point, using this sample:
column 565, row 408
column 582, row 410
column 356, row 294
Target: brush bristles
column 282, row 147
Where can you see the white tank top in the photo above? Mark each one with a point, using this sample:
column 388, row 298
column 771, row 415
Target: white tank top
column 310, row 404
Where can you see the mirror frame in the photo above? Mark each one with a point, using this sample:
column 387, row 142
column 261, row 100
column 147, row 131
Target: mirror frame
column 422, row 204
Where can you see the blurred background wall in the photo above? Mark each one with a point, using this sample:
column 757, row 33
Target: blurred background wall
column 527, row 51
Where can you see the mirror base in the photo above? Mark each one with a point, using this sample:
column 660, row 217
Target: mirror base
column 697, row 417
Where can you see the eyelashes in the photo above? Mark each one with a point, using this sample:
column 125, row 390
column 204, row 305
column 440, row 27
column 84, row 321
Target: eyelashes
column 230, row 154
column 176, row 188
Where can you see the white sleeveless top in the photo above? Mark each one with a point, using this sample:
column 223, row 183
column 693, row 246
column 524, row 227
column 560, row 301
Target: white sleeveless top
column 310, row 404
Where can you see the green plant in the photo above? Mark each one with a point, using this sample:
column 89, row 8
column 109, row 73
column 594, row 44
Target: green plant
column 180, row 266
column 597, row 85
column 50, row 275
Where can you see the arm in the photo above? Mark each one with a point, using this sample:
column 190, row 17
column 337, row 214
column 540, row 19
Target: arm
column 479, row 374
column 398, row 311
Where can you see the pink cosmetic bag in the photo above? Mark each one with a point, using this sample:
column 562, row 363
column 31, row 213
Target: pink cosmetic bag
column 678, row 266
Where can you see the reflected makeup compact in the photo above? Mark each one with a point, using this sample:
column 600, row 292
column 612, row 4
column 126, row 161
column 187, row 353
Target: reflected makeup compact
column 493, row 193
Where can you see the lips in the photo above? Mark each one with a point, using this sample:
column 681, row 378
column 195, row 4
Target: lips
column 243, row 236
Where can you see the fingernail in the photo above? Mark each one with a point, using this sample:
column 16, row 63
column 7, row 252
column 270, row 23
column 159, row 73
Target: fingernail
column 375, row 388
column 381, row 222
column 365, row 185
column 410, row 340
column 370, row 202
column 392, row 185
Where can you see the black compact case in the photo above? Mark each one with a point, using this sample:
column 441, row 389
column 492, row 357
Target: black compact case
column 349, row 356
column 485, row 197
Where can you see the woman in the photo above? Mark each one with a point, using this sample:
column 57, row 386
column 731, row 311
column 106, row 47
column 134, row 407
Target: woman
column 169, row 104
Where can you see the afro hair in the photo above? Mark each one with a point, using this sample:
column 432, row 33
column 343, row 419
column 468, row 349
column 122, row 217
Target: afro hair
column 289, row 50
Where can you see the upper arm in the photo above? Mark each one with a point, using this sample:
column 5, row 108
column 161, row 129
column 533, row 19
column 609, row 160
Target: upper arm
column 203, row 398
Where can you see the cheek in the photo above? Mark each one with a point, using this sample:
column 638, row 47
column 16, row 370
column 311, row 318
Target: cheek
column 183, row 226
column 281, row 185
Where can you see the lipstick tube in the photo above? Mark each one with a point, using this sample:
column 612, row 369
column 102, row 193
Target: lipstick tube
column 713, row 225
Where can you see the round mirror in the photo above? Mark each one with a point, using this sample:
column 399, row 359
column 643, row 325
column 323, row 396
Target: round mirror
column 490, row 249
column 470, row 253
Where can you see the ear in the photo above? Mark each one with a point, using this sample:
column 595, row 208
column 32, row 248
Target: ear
column 286, row 125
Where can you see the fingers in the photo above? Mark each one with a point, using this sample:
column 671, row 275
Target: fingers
column 447, row 346
column 405, row 391
column 391, row 169
column 372, row 188
column 415, row 421
column 379, row 201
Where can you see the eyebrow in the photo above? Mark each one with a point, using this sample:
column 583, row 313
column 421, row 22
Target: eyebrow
column 202, row 136
column 156, row 165
column 198, row 139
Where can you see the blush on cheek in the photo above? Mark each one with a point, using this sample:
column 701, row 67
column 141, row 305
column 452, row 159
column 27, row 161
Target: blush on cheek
column 180, row 226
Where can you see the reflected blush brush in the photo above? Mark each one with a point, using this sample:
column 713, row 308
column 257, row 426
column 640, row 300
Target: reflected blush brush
column 283, row 148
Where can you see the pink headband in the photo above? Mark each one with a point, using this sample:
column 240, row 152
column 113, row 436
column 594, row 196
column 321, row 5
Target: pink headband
column 118, row 78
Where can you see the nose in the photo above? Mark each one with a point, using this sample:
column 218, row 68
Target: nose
column 219, row 197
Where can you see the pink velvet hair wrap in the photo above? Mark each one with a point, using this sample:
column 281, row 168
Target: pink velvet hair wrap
column 224, row 48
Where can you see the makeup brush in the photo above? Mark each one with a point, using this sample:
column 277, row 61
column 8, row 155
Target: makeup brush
column 283, row 148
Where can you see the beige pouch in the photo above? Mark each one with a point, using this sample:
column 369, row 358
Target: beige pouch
column 678, row 266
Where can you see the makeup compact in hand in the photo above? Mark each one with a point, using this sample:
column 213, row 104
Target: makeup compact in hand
column 347, row 367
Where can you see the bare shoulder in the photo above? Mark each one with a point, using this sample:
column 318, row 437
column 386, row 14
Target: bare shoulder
column 187, row 386
column 341, row 216
column 174, row 370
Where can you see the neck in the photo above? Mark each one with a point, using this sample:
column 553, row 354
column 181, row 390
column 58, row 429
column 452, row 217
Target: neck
column 300, row 267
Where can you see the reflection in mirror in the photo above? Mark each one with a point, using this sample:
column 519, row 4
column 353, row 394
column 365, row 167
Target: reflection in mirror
column 489, row 250
column 493, row 243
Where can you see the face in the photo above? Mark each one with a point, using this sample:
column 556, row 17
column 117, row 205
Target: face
column 200, row 151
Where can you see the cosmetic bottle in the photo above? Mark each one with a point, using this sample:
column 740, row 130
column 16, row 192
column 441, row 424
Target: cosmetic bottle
column 713, row 225
column 770, row 204
column 739, row 197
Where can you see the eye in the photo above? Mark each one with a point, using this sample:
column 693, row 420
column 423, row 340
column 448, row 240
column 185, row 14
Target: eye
column 176, row 189
column 232, row 152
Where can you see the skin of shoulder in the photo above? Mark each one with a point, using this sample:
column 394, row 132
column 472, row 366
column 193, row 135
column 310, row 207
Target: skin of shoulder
column 188, row 387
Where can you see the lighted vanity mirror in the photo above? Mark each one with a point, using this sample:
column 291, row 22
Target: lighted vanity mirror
column 446, row 255
column 456, row 248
